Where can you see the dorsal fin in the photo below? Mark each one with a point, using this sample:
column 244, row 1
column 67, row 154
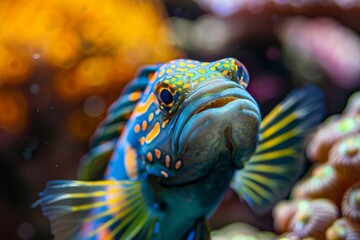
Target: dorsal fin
column 103, row 141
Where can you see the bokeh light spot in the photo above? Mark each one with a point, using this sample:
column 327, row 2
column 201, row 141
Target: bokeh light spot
column 80, row 125
column 36, row 56
column 31, row 145
column 34, row 88
column 25, row 231
column 94, row 106
column 13, row 110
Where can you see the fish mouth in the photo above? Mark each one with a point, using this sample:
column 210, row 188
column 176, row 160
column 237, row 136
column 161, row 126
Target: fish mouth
column 216, row 103
column 214, row 96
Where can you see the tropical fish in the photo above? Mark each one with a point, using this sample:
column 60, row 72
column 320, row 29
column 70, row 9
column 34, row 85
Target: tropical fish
column 178, row 137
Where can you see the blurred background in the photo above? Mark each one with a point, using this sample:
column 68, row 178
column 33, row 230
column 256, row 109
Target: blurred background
column 62, row 63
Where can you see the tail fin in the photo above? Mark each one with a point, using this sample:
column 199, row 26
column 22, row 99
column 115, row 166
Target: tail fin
column 277, row 162
column 97, row 210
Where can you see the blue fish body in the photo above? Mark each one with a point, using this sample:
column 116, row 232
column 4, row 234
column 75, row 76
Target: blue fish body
column 179, row 135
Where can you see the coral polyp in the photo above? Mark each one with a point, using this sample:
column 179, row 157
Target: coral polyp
column 350, row 206
column 353, row 106
column 319, row 147
column 342, row 229
column 345, row 157
column 282, row 214
column 324, row 182
column 312, row 218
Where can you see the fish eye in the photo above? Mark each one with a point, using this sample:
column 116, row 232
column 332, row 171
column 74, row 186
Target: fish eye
column 166, row 96
column 242, row 74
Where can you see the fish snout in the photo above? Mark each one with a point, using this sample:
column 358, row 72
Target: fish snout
column 233, row 127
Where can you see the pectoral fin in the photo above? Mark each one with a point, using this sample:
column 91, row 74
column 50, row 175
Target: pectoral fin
column 277, row 162
column 97, row 210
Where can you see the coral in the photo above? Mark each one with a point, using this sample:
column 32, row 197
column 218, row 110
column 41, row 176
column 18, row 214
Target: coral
column 344, row 156
column 312, row 218
column 324, row 182
column 282, row 212
column 342, row 229
column 350, row 207
column 237, row 231
column 336, row 145
column 320, row 145
column 353, row 106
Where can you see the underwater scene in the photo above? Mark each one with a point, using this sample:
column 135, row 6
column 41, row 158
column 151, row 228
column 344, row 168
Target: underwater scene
column 180, row 119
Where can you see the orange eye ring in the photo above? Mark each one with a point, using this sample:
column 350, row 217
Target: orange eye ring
column 167, row 98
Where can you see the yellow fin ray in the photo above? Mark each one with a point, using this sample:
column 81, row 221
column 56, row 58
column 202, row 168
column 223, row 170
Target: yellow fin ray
column 277, row 140
column 277, row 162
column 102, row 209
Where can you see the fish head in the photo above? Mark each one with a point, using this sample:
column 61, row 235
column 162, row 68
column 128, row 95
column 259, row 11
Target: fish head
column 196, row 112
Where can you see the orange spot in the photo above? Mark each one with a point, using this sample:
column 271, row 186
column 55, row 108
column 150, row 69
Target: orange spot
column 157, row 153
column 144, row 125
column 225, row 72
column 131, row 162
column 142, row 141
column 178, row 164
column 149, row 157
column 151, row 116
column 153, row 133
column 152, row 77
column 164, row 174
column 167, row 161
column 137, row 128
column 164, row 123
column 144, row 106
column 134, row 96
